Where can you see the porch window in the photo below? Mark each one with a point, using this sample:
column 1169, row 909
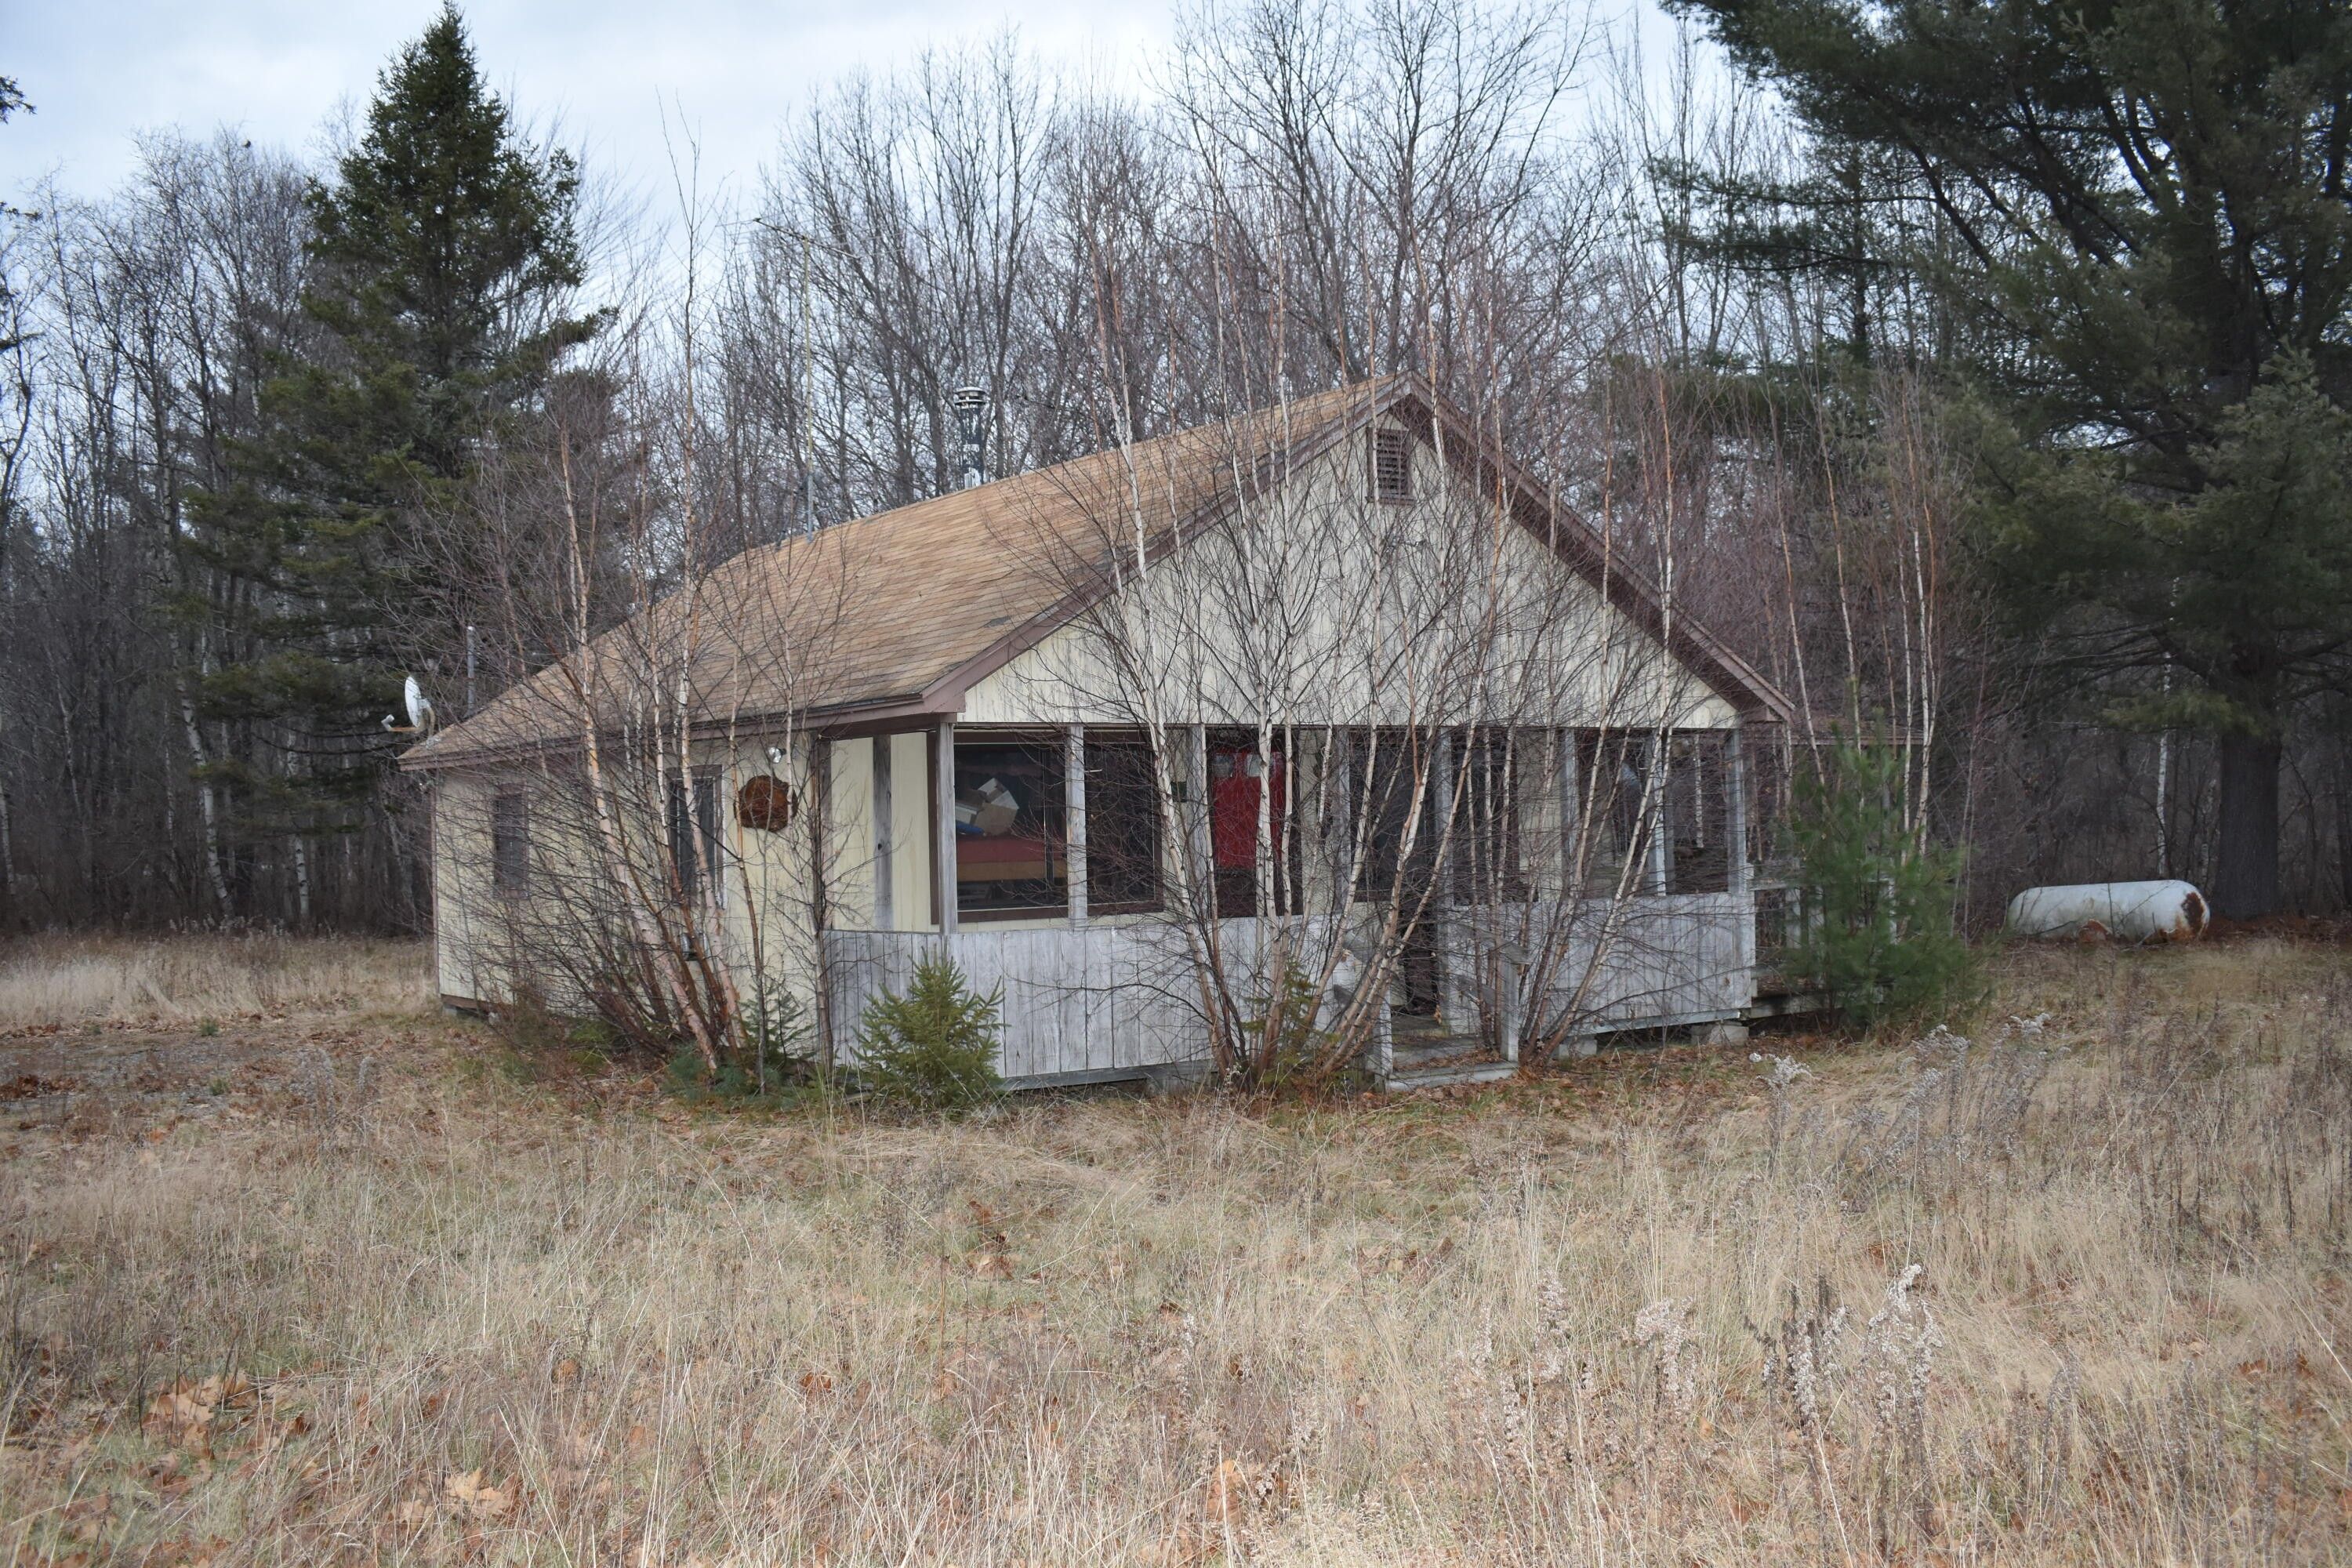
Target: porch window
column 697, row 850
column 1697, row 803
column 1617, row 807
column 1495, row 773
column 1242, row 780
column 1012, row 853
column 510, row 845
column 1386, row 768
column 1765, row 762
column 1123, row 838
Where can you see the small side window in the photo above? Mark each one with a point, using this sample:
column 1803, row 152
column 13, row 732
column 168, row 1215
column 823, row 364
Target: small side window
column 510, row 845
column 1391, row 461
column 696, row 846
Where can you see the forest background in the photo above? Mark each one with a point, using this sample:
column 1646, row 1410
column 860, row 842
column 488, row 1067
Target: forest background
column 1981, row 376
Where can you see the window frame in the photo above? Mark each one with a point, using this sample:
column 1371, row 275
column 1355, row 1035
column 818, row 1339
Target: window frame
column 1153, row 853
column 510, row 844
column 1056, row 827
column 701, row 876
column 1238, row 893
column 1612, row 773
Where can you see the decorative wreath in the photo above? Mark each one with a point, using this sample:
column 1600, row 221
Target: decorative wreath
column 764, row 803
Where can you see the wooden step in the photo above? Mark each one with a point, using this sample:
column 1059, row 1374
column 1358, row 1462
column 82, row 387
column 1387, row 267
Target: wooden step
column 1486, row 1071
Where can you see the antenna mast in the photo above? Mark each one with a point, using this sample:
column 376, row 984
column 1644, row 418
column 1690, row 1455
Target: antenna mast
column 808, row 392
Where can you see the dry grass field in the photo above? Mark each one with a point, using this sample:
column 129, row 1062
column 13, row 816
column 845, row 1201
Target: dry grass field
column 298, row 1272
column 80, row 980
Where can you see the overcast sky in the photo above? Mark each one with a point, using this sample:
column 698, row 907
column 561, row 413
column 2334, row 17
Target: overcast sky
column 99, row 71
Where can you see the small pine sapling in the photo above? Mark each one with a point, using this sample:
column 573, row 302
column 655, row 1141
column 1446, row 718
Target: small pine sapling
column 775, row 1033
column 1284, row 1041
column 1878, row 937
column 933, row 1046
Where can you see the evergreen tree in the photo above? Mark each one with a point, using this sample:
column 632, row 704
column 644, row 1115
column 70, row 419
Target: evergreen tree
column 442, row 255
column 1839, row 225
column 1877, row 937
column 934, row 1045
column 2151, row 267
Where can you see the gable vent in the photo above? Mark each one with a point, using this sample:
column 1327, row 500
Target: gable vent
column 1390, row 455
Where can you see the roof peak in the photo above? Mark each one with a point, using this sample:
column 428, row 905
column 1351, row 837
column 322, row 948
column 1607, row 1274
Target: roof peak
column 1326, row 402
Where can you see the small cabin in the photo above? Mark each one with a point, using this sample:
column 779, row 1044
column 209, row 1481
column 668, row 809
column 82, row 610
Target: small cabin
column 1328, row 697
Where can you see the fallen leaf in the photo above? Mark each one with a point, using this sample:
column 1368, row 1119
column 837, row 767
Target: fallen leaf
column 476, row 1497
column 182, row 1415
column 1229, row 1492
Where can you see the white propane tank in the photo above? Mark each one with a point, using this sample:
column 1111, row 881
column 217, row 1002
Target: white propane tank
column 2126, row 911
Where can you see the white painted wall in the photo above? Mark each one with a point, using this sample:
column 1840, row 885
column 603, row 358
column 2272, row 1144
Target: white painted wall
column 1327, row 608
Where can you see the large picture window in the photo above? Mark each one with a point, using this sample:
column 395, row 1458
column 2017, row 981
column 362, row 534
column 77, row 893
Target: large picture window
column 1011, row 852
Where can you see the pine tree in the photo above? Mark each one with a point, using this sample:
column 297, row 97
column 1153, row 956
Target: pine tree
column 443, row 256
column 935, row 1045
column 1877, row 937
column 2147, row 208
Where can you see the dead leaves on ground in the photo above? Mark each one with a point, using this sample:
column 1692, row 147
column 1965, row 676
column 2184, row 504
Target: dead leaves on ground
column 1237, row 1489
column 184, row 1416
column 992, row 1255
column 466, row 1498
column 33, row 1086
column 467, row 1493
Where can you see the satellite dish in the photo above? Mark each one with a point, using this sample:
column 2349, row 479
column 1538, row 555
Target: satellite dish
column 420, row 710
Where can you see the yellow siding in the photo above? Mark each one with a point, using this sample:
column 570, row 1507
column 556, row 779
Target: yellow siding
column 910, row 832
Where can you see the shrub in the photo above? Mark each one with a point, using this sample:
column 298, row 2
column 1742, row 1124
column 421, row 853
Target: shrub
column 1287, row 1056
column 934, row 1045
column 775, row 1035
column 767, row 1059
column 1877, row 937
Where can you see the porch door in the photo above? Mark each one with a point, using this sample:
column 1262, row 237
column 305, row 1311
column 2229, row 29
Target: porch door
column 1388, row 771
column 1238, row 779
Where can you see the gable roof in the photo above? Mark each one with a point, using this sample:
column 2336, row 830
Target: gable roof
column 899, row 613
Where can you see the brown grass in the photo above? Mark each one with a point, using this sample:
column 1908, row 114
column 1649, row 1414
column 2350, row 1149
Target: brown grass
column 74, row 979
column 495, row 1309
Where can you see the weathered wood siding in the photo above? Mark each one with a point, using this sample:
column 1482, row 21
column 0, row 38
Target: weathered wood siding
column 1365, row 642
column 1093, row 999
column 1099, row 999
column 1666, row 958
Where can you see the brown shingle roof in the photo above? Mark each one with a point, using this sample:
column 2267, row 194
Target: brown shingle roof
column 900, row 611
column 880, row 613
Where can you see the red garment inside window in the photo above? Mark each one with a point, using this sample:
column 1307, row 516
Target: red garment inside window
column 1232, row 807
